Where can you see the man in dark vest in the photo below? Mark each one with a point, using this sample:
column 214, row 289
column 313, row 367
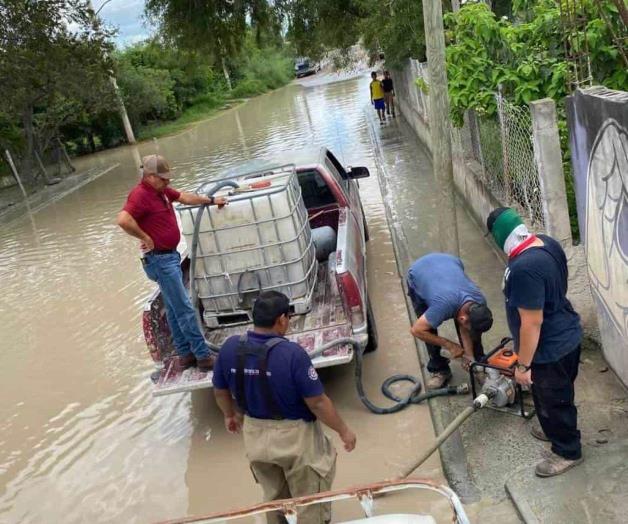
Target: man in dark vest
column 547, row 334
column 272, row 382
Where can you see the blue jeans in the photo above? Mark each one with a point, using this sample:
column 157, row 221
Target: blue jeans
column 165, row 269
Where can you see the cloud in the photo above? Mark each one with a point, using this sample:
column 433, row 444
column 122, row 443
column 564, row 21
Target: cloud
column 127, row 17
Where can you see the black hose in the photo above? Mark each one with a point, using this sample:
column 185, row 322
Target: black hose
column 193, row 290
column 415, row 396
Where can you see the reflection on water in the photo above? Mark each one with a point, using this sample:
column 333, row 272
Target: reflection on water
column 81, row 439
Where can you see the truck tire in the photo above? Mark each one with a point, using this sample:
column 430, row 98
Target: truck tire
column 371, row 329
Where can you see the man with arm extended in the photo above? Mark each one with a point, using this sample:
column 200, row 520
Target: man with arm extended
column 547, row 334
column 148, row 215
column 272, row 382
column 440, row 290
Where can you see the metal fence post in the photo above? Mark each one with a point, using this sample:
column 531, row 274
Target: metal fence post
column 547, row 155
column 503, row 127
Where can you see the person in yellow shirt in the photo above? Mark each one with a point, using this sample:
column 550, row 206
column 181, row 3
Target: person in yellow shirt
column 377, row 97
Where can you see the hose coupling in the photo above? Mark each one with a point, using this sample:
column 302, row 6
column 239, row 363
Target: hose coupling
column 462, row 389
column 480, row 401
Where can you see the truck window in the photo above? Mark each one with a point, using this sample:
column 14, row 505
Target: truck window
column 315, row 191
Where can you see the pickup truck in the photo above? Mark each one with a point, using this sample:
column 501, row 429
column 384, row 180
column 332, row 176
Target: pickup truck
column 303, row 67
column 340, row 306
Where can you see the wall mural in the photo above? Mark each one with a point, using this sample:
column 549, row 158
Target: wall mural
column 598, row 122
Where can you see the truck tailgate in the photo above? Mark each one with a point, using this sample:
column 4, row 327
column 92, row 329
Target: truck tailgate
column 325, row 322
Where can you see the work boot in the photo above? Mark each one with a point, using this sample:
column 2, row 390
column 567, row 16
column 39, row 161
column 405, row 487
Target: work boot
column 555, row 465
column 537, row 432
column 205, row 364
column 438, row 380
column 187, row 361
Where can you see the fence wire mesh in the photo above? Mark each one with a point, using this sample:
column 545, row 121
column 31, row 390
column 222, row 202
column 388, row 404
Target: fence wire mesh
column 503, row 145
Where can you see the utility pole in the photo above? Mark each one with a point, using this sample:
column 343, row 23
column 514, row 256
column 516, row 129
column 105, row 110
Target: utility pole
column 440, row 126
column 128, row 130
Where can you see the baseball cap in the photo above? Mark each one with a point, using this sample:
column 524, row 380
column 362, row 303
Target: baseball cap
column 157, row 165
column 480, row 317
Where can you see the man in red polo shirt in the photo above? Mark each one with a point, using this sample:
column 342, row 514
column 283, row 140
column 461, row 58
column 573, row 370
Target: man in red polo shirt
column 149, row 216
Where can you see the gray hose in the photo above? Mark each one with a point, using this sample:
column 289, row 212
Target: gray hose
column 197, row 225
column 415, row 396
column 478, row 403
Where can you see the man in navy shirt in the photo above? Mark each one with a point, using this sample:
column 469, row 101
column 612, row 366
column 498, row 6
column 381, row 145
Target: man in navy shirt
column 440, row 290
column 272, row 382
column 547, row 334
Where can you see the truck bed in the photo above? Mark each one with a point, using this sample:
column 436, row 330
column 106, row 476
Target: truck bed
column 325, row 322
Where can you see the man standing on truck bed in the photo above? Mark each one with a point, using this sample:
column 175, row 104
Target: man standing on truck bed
column 149, row 216
column 278, row 390
column 440, row 290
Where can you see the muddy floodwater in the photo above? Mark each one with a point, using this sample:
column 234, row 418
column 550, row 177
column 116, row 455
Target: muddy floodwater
column 81, row 437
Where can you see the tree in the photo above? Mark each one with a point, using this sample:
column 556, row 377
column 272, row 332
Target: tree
column 216, row 28
column 53, row 67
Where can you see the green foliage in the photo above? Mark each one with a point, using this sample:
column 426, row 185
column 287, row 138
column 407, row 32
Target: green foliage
column 422, row 85
column 54, row 69
column 148, row 94
column 259, row 70
column 396, row 29
column 525, row 56
column 217, row 28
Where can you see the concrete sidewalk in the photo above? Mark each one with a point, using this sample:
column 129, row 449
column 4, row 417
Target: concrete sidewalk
column 492, row 446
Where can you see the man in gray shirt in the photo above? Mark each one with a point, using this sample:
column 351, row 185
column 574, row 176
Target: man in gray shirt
column 440, row 290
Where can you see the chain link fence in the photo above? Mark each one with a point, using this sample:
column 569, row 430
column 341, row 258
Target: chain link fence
column 503, row 147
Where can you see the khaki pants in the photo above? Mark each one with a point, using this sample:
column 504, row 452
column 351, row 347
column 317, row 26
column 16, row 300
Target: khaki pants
column 389, row 99
column 291, row 458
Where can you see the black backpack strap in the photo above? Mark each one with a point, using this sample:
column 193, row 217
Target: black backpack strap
column 245, row 349
column 264, row 382
column 240, row 394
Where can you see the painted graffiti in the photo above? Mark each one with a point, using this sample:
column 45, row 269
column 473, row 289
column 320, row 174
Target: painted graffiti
column 598, row 131
column 607, row 221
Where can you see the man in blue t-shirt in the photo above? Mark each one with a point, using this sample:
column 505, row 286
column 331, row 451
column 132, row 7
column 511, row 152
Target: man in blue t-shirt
column 272, row 383
column 547, row 334
column 440, row 290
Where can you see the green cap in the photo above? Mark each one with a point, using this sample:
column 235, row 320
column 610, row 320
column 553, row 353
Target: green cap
column 504, row 224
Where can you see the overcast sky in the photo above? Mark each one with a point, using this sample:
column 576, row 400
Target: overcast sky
column 126, row 17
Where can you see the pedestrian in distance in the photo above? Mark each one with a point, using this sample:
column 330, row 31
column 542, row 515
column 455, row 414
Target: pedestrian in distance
column 267, row 387
column 377, row 97
column 546, row 331
column 149, row 216
column 440, row 290
column 389, row 93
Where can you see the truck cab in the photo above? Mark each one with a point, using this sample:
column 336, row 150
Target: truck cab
column 339, row 304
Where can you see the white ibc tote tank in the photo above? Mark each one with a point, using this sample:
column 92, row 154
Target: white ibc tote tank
column 260, row 240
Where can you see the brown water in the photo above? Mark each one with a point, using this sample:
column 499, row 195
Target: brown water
column 81, row 438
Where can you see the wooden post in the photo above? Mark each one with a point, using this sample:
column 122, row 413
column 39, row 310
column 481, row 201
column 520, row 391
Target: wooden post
column 440, row 126
column 15, row 173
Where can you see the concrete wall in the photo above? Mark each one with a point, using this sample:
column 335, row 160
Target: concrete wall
column 598, row 125
column 413, row 104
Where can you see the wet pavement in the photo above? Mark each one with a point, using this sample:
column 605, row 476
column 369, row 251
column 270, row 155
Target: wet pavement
column 82, row 439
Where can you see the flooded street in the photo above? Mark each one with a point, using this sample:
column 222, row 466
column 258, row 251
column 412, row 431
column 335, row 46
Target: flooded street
column 81, row 438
